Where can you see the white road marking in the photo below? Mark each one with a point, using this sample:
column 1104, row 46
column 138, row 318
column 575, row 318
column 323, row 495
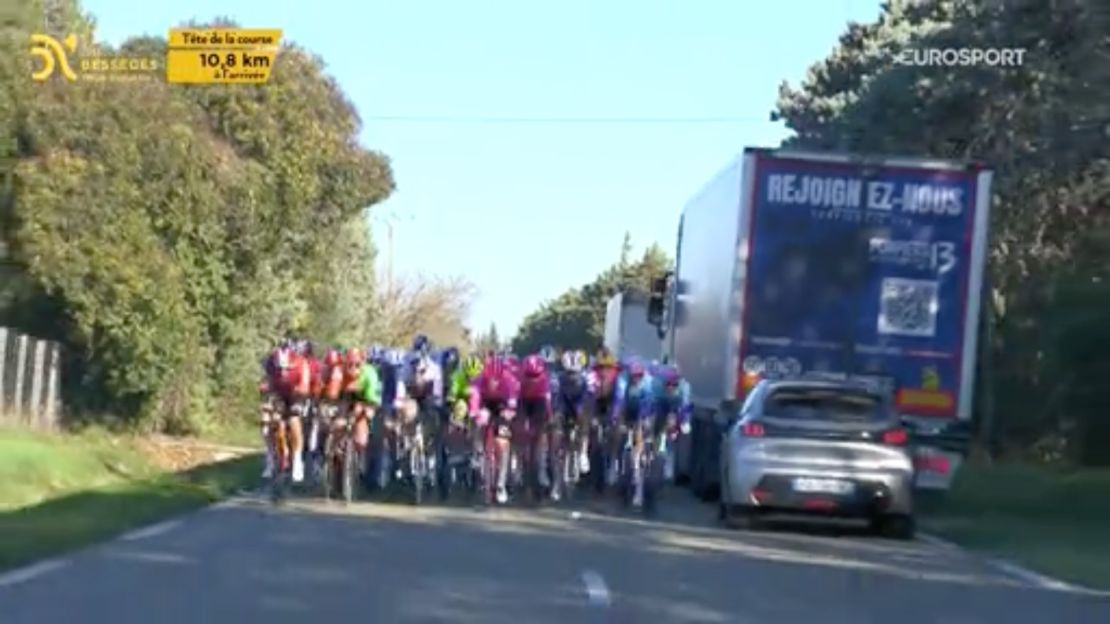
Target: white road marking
column 151, row 531
column 1033, row 578
column 596, row 590
column 27, row 573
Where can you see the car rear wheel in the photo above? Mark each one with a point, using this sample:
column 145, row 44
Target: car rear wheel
column 895, row 526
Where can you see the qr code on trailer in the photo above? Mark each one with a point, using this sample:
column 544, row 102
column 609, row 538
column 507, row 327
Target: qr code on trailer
column 908, row 307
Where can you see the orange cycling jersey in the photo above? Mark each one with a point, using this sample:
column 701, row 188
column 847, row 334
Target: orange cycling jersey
column 350, row 378
column 334, row 381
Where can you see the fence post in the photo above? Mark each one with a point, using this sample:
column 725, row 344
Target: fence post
column 36, row 383
column 52, row 386
column 3, row 360
column 20, row 370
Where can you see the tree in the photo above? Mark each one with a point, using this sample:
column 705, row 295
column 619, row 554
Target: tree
column 167, row 235
column 576, row 319
column 489, row 341
column 436, row 307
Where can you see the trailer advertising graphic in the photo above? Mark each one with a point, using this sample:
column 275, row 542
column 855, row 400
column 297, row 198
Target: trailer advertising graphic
column 864, row 273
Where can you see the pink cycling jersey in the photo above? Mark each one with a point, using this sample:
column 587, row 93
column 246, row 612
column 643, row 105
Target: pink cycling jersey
column 502, row 388
column 536, row 389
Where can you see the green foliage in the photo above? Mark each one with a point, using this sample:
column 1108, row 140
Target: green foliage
column 576, row 319
column 169, row 234
column 1043, row 127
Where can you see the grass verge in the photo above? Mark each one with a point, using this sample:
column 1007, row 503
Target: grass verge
column 58, row 493
column 1050, row 521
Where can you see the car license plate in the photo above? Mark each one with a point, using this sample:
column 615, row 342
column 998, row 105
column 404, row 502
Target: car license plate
column 823, row 486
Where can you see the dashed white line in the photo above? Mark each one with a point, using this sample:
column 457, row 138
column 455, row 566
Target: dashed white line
column 27, row 573
column 151, row 531
column 596, row 590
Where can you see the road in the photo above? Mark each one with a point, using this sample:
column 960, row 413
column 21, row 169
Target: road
column 246, row 561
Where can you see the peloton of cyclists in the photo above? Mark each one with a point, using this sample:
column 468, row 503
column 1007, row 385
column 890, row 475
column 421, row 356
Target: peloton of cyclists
column 552, row 393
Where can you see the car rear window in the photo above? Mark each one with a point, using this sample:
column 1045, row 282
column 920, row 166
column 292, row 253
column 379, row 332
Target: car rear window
column 828, row 404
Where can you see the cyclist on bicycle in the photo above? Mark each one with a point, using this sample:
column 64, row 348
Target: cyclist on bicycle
column 270, row 401
column 493, row 403
column 535, row 407
column 315, row 371
column 362, row 394
column 633, row 408
column 460, row 389
column 604, row 377
column 331, row 395
column 292, row 390
column 423, row 379
column 672, row 408
column 573, row 393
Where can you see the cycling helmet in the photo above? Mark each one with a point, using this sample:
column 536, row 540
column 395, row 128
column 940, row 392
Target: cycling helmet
column 449, row 358
column 306, row 348
column 534, row 366
column 635, row 368
column 495, row 368
column 574, row 361
column 333, row 358
column 605, row 358
column 421, row 344
column 473, row 366
column 549, row 354
column 669, row 375
column 355, row 356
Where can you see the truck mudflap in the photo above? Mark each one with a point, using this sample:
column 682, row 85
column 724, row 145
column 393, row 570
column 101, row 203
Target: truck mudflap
column 939, row 449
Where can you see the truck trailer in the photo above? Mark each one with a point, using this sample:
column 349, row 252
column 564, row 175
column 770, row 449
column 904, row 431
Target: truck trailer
column 627, row 330
column 797, row 263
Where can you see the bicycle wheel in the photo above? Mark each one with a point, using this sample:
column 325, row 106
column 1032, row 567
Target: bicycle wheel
column 489, row 467
column 350, row 469
column 418, row 468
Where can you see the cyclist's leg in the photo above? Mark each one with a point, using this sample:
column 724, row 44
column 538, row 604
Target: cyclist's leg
column 582, row 413
column 297, row 408
column 364, row 415
column 503, row 437
column 541, row 442
column 267, row 416
column 638, row 430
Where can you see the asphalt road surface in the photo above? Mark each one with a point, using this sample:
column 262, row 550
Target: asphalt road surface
column 245, row 561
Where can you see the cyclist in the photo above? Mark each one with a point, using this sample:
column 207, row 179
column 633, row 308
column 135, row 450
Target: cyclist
column 572, row 395
column 316, row 386
column 423, row 379
column 633, row 408
column 422, row 345
column 270, row 404
column 493, row 403
column 672, row 408
column 603, row 378
column 390, row 364
column 293, row 390
column 331, row 392
column 535, row 407
column 362, row 394
column 460, row 389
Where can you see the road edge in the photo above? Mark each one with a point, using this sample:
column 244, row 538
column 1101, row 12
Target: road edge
column 1016, row 570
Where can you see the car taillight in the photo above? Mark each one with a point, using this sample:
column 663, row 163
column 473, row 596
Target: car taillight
column 752, row 430
column 896, row 437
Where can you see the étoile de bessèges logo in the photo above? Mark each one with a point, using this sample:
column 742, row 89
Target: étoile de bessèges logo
column 54, row 57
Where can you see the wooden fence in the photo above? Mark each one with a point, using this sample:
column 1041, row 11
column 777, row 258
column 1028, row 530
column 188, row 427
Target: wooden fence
column 30, row 382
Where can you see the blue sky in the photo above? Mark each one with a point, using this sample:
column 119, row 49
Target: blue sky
column 527, row 210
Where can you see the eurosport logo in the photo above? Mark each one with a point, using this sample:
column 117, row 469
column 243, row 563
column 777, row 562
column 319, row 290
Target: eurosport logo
column 961, row 57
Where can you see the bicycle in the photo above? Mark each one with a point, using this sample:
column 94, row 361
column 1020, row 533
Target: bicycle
column 283, row 458
column 496, row 426
column 341, row 459
column 564, row 457
column 456, row 462
column 411, row 457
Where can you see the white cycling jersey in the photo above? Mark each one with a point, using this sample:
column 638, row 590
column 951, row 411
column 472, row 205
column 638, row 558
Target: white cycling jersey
column 423, row 377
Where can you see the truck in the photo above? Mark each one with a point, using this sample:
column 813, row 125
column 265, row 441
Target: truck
column 627, row 330
column 794, row 263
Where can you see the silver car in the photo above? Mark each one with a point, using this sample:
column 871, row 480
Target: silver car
column 832, row 448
